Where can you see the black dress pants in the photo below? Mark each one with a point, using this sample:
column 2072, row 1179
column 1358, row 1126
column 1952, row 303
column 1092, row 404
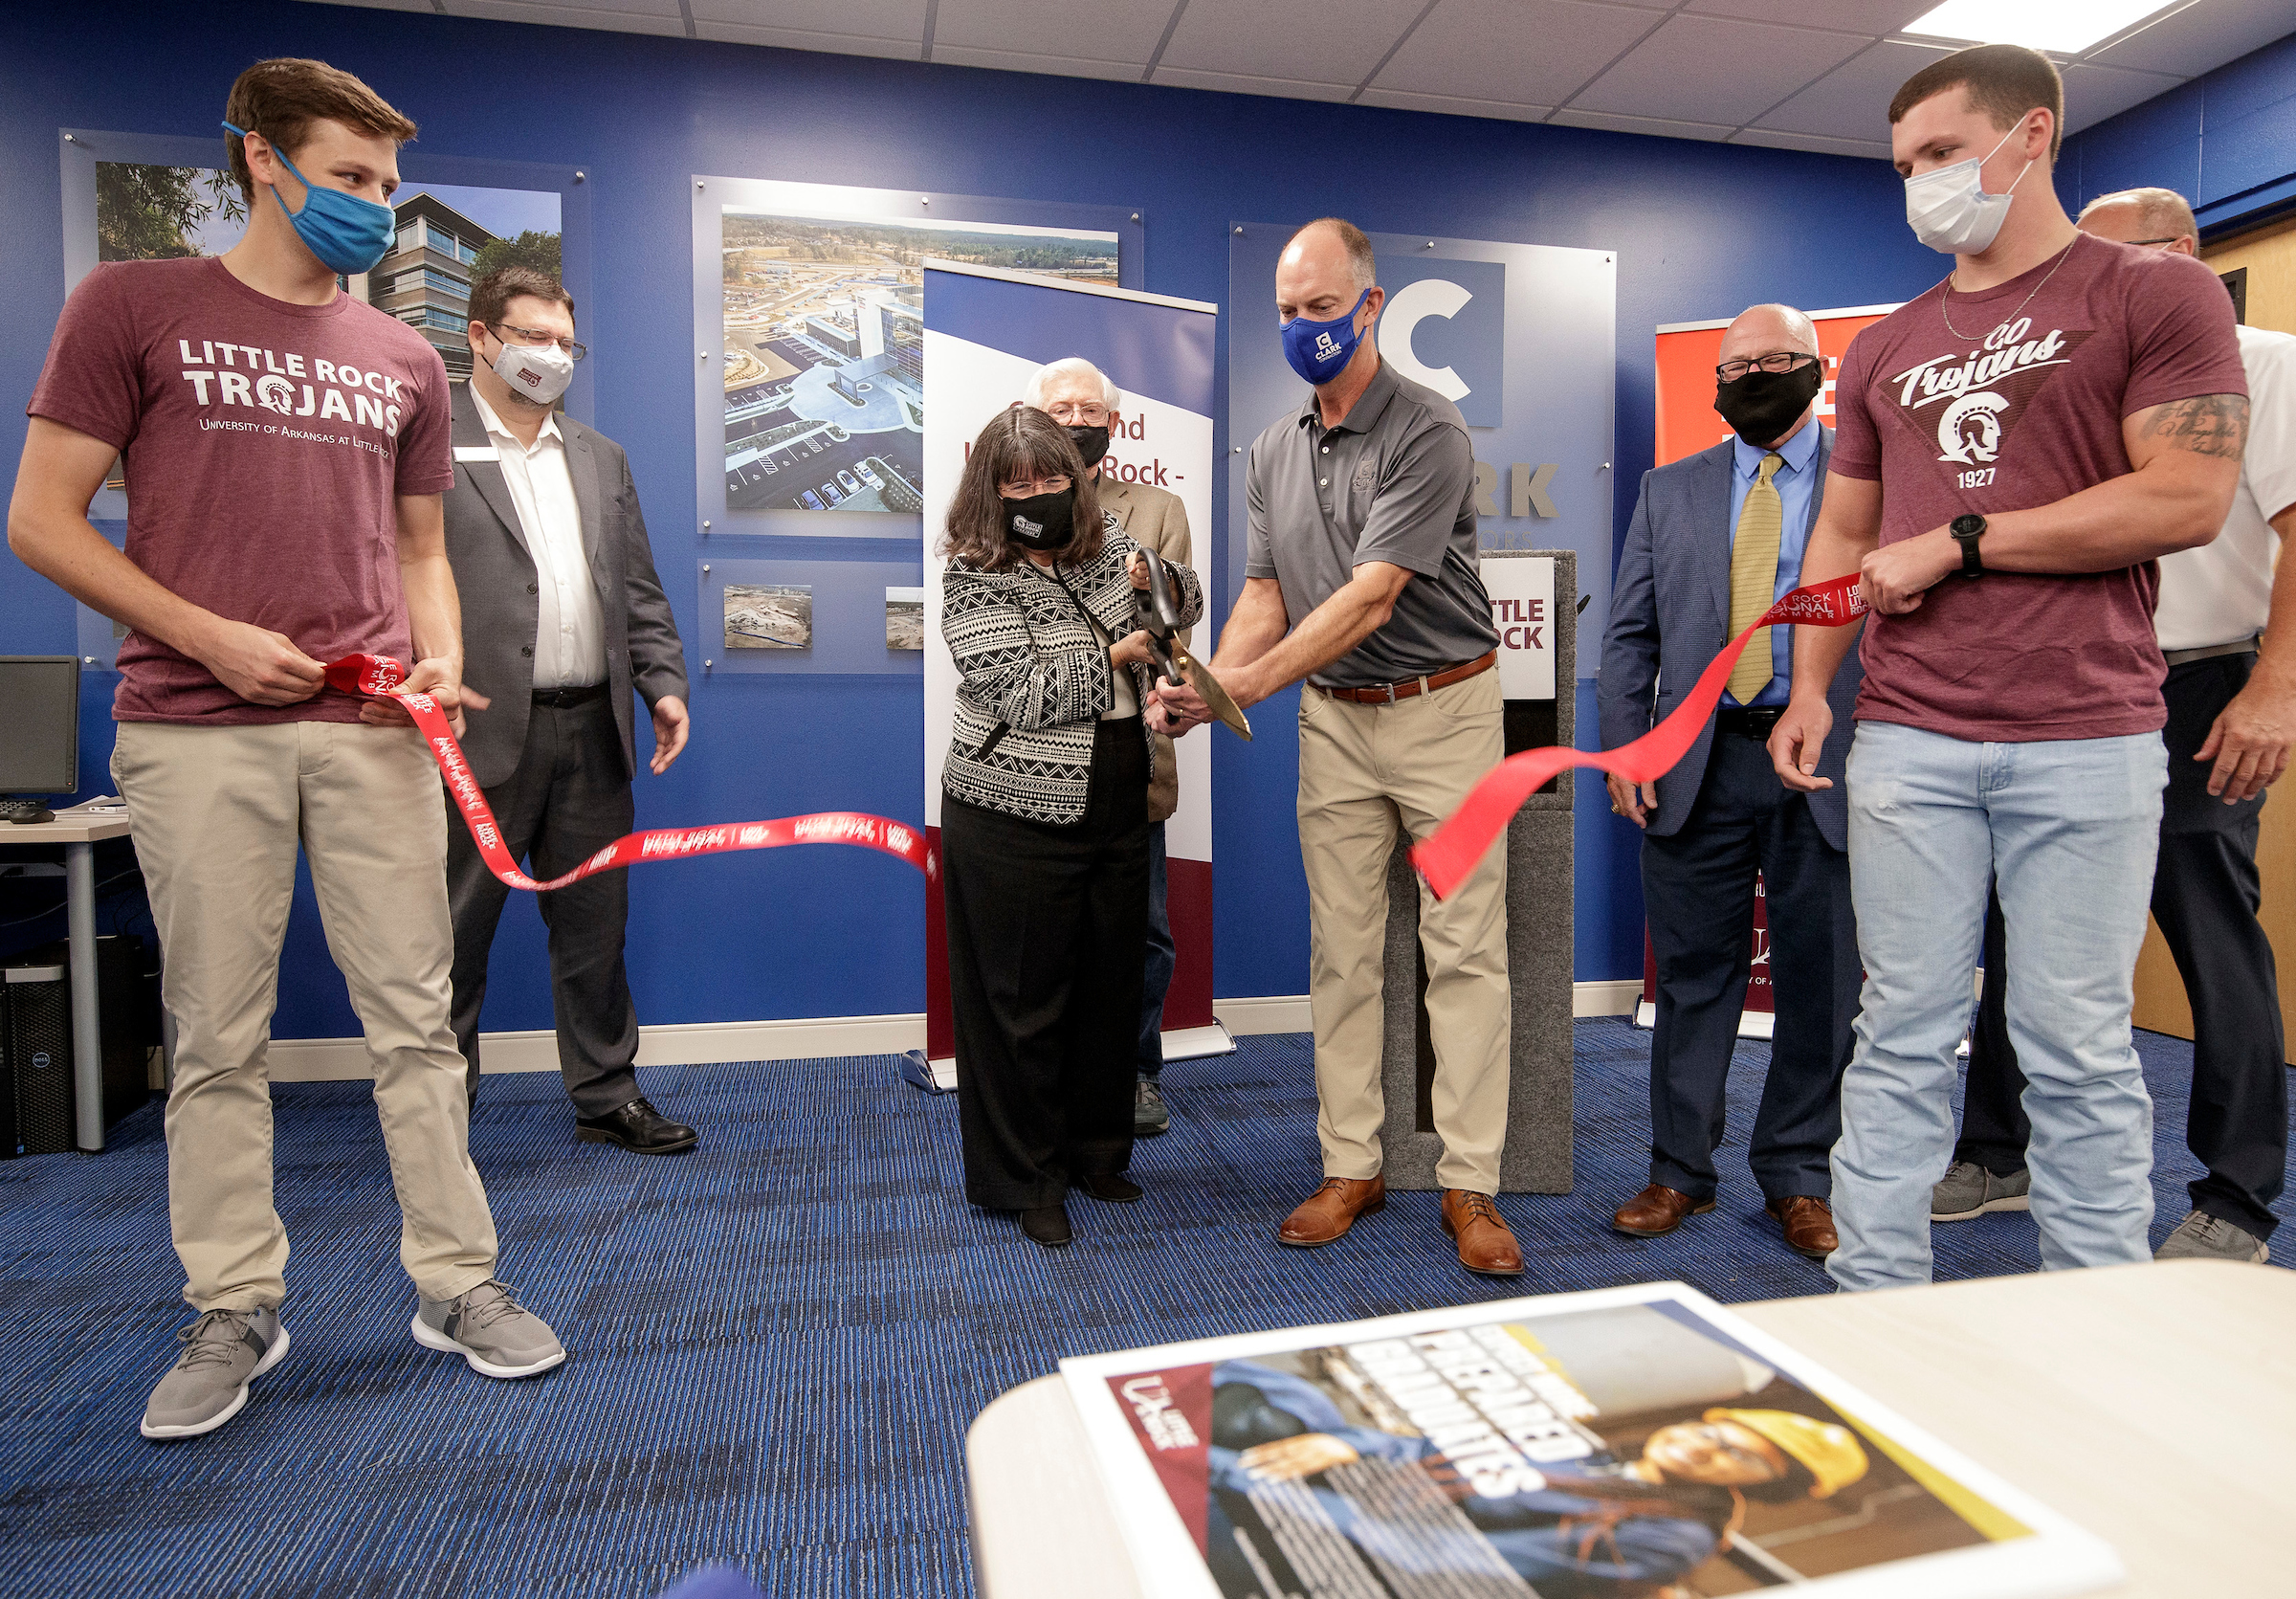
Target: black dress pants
column 569, row 799
column 2205, row 895
column 1047, row 936
column 1698, row 886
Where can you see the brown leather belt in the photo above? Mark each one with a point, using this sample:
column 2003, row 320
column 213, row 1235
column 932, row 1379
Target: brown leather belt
column 1387, row 693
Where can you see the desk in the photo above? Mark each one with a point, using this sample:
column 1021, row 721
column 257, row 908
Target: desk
column 77, row 831
column 2150, row 1404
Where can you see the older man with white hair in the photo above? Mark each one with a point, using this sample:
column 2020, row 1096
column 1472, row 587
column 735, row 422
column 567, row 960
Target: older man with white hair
column 1716, row 537
column 1080, row 397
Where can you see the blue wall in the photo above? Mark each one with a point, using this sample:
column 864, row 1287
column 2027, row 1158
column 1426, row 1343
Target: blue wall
column 1700, row 229
column 2226, row 142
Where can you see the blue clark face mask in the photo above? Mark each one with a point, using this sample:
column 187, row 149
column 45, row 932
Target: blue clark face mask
column 348, row 234
column 1320, row 351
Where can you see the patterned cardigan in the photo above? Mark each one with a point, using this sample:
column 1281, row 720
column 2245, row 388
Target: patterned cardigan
column 1035, row 680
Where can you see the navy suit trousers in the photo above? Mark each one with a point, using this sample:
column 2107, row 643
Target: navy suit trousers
column 1698, row 887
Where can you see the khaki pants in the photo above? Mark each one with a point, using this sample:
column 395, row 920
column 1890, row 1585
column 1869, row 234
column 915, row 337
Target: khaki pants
column 1362, row 769
column 217, row 813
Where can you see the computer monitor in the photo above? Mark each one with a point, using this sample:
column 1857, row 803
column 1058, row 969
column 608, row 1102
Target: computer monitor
column 39, row 707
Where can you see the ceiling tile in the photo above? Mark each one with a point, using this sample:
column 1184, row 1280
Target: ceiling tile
column 1852, row 101
column 1639, row 125
column 1847, row 16
column 2201, row 36
column 1512, row 51
column 1060, row 66
column 1814, row 142
column 423, row 6
column 1714, row 70
column 797, row 38
column 632, row 20
column 1181, row 77
column 1396, row 101
column 869, row 19
column 1314, row 41
column 1083, row 30
column 2093, row 93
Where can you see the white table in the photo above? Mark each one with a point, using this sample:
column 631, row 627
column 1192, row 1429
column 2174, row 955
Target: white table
column 77, row 831
column 2150, row 1403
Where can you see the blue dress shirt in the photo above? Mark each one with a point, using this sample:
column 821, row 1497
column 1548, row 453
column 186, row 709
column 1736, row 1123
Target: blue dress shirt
column 1796, row 482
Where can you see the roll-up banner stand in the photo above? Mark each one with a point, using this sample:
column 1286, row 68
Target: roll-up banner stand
column 986, row 332
column 1688, row 353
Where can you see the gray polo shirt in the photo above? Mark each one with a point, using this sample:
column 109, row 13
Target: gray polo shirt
column 1394, row 481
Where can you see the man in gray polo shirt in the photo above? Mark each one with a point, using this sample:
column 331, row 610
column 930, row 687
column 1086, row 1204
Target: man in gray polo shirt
column 1361, row 578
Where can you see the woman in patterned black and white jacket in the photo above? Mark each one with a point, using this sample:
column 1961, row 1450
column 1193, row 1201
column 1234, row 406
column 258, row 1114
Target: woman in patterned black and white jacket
column 1044, row 827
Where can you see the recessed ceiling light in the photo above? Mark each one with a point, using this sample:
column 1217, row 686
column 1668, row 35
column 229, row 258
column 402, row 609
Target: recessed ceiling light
column 2067, row 27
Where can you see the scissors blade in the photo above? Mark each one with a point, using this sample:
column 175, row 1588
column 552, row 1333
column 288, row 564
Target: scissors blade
column 1215, row 698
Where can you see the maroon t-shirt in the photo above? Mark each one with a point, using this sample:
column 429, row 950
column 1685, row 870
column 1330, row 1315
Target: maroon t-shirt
column 2023, row 407
column 265, row 447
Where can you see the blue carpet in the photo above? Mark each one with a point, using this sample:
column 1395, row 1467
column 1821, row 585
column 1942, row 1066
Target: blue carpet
column 778, row 1341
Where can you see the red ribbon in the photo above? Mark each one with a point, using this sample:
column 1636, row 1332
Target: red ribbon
column 380, row 677
column 1451, row 852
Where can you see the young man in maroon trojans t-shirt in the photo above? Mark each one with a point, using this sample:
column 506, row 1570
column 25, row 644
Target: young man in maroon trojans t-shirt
column 2014, row 451
column 285, row 448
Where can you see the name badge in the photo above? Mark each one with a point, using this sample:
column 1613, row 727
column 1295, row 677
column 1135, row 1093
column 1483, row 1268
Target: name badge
column 476, row 453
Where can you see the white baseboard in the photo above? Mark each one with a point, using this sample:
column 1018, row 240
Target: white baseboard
column 805, row 1039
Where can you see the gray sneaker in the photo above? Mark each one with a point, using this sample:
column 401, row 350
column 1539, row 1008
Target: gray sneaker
column 2201, row 1237
column 1969, row 1190
column 1149, row 1113
column 490, row 1329
column 224, row 1351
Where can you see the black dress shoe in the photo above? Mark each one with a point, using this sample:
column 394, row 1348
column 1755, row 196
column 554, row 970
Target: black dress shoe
column 1048, row 1225
column 637, row 1127
column 1115, row 1188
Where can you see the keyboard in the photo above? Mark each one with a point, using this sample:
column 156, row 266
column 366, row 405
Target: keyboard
column 24, row 812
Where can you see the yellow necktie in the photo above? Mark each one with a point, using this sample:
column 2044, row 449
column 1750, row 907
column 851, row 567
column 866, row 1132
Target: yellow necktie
column 1754, row 579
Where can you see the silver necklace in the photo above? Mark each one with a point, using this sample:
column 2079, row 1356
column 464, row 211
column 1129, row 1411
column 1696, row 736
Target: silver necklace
column 1946, row 300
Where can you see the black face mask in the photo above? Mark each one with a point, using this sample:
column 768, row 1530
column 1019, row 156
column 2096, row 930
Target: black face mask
column 1091, row 443
column 1762, row 405
column 1042, row 521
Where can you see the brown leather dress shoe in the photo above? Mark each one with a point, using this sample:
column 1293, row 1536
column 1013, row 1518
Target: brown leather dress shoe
column 1658, row 1211
column 1325, row 1215
column 1808, row 1223
column 1485, row 1243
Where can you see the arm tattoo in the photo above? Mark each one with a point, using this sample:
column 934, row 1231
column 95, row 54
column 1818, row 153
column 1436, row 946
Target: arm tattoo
column 2208, row 425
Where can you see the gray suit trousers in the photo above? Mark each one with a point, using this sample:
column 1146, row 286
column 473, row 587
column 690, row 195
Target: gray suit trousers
column 568, row 798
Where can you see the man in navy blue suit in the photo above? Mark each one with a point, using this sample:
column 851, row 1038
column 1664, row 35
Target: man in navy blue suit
column 1716, row 537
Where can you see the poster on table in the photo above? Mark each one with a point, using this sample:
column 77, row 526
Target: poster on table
column 1687, row 354
column 1606, row 1445
column 986, row 331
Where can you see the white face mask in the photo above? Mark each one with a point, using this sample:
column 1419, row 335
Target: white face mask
column 536, row 372
column 1950, row 210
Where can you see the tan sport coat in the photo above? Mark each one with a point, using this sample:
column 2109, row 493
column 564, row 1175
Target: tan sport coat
column 1154, row 518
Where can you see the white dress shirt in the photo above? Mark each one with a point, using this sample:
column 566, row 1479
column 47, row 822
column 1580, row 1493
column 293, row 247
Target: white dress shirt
column 569, row 635
column 2222, row 592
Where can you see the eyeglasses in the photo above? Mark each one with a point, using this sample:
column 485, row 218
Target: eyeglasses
column 1029, row 491
column 1091, row 415
column 1782, row 361
column 537, row 337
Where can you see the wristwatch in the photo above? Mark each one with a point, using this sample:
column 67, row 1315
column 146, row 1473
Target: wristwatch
column 1967, row 531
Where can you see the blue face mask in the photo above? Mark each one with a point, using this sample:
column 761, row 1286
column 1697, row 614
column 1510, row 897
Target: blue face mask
column 348, row 234
column 1319, row 351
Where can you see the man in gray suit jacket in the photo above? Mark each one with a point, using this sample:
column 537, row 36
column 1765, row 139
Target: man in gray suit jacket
column 561, row 617
column 1716, row 537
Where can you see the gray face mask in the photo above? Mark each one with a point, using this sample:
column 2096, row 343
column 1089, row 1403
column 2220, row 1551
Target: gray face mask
column 1950, row 210
column 536, row 372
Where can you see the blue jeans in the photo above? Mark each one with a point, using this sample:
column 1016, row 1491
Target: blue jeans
column 1156, row 981
column 2069, row 827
